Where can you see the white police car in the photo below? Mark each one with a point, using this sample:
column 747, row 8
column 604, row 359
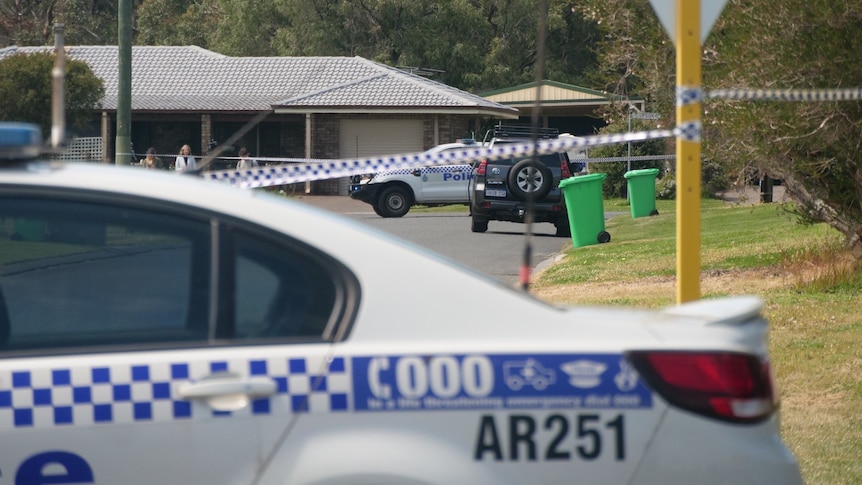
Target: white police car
column 158, row 328
column 392, row 192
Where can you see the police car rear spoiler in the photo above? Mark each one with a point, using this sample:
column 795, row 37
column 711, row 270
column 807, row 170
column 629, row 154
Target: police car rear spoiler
column 725, row 311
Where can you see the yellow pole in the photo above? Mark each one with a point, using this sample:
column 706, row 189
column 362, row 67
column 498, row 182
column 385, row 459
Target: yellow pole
column 688, row 109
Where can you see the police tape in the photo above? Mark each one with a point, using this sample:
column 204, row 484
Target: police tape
column 297, row 170
column 686, row 95
column 849, row 94
column 637, row 158
column 291, row 173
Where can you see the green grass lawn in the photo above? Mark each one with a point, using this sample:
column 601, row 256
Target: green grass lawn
column 811, row 287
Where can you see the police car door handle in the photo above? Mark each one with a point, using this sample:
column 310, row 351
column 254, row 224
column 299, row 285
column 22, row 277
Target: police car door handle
column 228, row 392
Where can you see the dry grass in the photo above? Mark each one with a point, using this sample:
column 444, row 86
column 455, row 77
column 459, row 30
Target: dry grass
column 659, row 291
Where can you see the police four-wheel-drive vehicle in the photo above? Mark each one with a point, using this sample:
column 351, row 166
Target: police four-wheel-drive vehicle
column 162, row 328
column 392, row 192
column 505, row 189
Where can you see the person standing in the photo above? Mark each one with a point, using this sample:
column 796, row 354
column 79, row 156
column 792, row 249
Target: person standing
column 151, row 161
column 185, row 160
column 245, row 162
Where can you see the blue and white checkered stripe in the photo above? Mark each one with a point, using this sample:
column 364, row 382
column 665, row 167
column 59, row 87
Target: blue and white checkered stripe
column 437, row 169
column 82, row 396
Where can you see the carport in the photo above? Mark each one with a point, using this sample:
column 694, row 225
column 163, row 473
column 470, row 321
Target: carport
column 569, row 108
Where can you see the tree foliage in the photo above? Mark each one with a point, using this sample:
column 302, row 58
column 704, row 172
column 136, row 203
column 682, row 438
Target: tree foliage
column 812, row 147
column 26, row 87
column 474, row 45
column 174, row 22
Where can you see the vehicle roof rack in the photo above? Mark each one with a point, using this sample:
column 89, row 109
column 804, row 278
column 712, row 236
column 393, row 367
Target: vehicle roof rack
column 524, row 131
column 19, row 142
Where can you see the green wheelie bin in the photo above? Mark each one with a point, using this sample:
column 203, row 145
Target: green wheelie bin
column 585, row 206
column 641, row 184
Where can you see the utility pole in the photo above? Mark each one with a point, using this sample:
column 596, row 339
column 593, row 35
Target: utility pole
column 688, row 22
column 688, row 190
column 124, row 87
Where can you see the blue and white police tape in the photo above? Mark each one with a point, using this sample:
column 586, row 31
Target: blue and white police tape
column 686, row 95
column 329, row 169
column 850, row 94
column 636, row 158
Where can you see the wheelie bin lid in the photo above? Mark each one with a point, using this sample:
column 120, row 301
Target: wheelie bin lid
column 641, row 173
column 582, row 179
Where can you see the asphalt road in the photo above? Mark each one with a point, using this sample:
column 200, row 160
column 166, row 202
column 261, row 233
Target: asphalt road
column 498, row 252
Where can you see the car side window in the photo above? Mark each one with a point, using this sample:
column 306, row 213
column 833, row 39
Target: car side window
column 81, row 274
column 282, row 290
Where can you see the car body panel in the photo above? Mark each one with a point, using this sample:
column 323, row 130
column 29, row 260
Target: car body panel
column 493, row 198
column 429, row 185
column 414, row 384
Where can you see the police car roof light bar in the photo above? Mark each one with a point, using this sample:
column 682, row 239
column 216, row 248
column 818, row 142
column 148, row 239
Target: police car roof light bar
column 20, row 142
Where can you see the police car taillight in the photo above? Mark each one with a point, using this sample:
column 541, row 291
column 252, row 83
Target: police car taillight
column 483, row 166
column 728, row 386
column 19, row 141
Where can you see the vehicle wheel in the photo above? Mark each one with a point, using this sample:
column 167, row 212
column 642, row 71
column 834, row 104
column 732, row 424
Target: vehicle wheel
column 604, row 237
column 653, row 212
column 514, row 383
column 377, row 210
column 530, row 177
column 539, row 383
column 478, row 225
column 393, row 202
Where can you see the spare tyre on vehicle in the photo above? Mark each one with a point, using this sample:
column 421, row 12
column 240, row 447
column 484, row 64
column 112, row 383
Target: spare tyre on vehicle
column 530, row 178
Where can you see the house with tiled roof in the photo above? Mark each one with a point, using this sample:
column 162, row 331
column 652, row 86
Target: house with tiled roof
column 316, row 107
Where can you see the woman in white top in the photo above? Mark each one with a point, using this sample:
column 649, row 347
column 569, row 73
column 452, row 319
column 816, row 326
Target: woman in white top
column 185, row 160
column 244, row 160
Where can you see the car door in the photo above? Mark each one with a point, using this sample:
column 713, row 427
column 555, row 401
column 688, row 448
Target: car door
column 447, row 183
column 141, row 343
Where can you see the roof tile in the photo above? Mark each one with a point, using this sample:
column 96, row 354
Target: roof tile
column 190, row 78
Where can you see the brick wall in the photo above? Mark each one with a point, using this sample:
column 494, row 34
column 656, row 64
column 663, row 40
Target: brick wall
column 293, row 139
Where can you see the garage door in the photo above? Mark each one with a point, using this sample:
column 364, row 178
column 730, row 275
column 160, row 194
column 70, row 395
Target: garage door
column 368, row 138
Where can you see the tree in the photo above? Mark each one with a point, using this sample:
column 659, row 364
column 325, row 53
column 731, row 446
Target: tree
column 26, row 86
column 31, row 22
column 812, row 147
column 90, row 22
column 246, row 27
column 570, row 56
column 174, row 22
